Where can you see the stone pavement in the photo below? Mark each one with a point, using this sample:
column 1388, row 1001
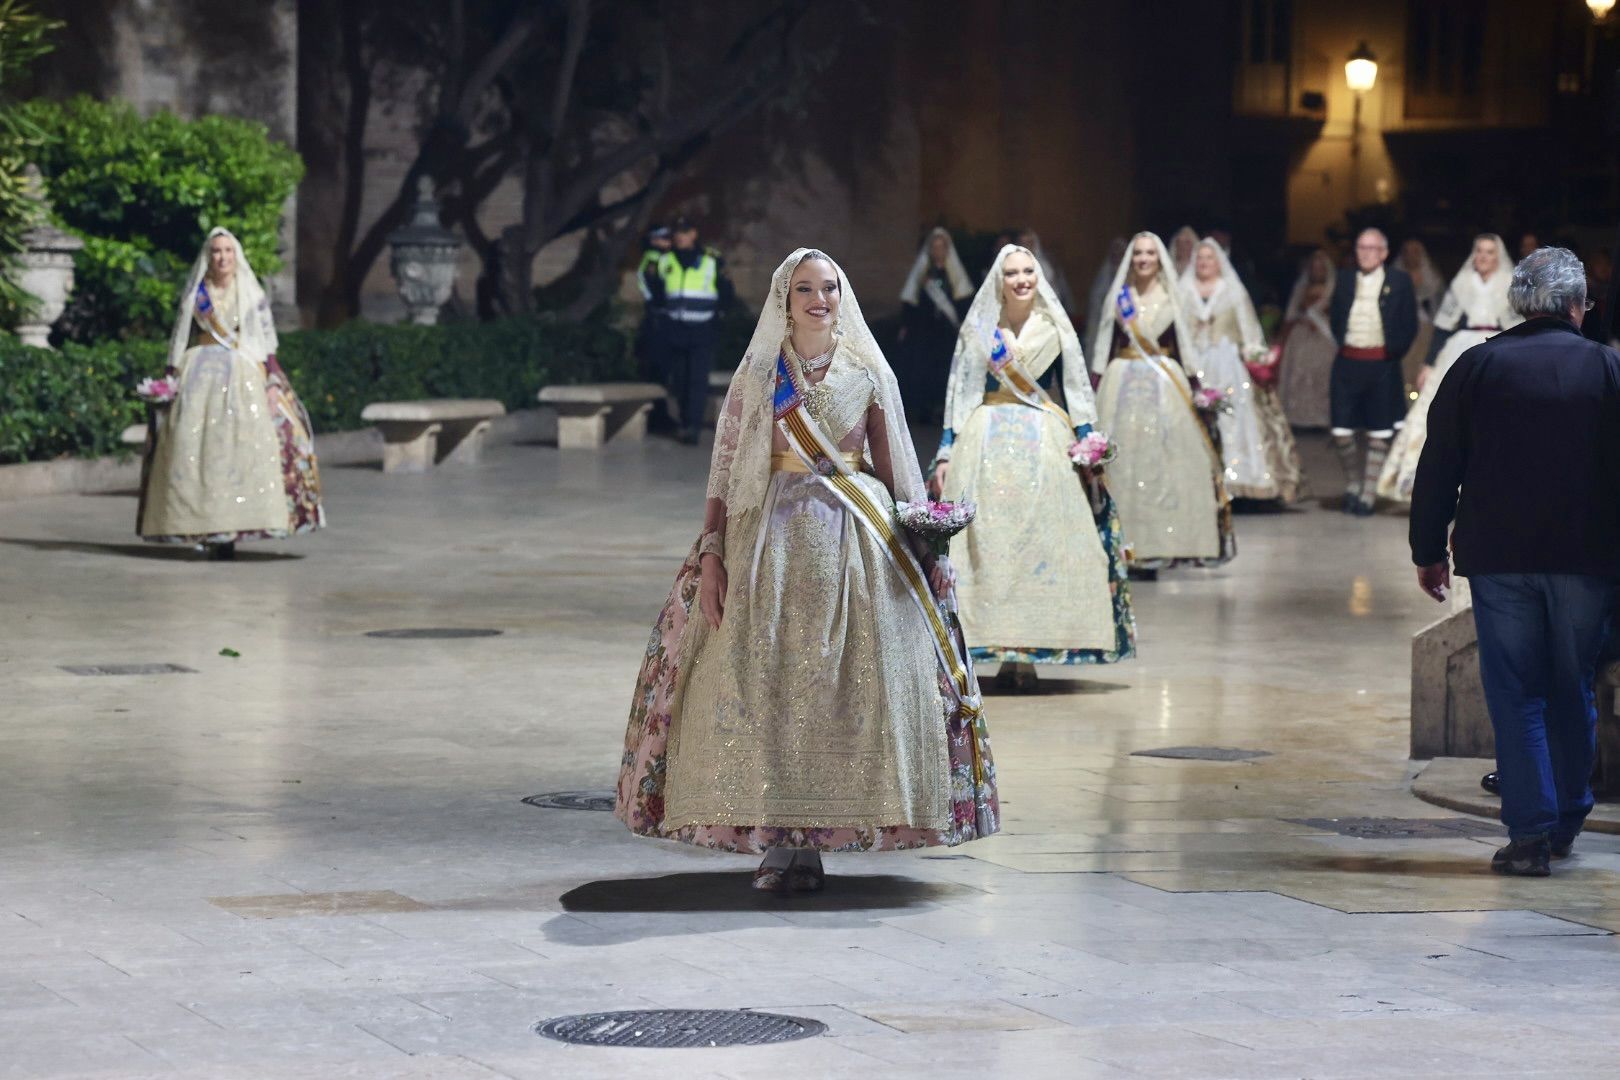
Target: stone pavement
column 311, row 860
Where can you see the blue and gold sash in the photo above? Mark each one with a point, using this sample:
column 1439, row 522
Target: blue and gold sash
column 1009, row 370
column 807, row 439
column 207, row 317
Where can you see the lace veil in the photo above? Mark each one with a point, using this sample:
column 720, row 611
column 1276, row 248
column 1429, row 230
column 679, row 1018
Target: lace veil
column 970, row 365
column 1296, row 298
column 1103, row 344
column 257, row 337
column 1469, row 286
column 1230, row 294
column 955, row 272
column 740, row 470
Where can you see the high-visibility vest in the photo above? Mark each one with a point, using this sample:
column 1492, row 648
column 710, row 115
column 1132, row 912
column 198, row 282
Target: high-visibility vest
column 649, row 258
column 691, row 294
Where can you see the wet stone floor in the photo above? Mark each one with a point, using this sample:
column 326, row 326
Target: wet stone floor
column 311, row 858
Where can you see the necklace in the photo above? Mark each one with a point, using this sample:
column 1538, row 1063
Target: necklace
column 817, row 396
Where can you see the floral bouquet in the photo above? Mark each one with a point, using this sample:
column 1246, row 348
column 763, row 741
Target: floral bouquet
column 934, row 523
column 157, row 391
column 1262, row 364
column 1093, row 451
column 1212, row 401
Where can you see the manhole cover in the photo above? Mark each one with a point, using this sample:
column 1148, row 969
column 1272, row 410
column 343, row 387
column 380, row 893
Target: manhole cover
column 1390, row 828
column 668, row 1028
column 127, row 669
column 432, row 632
column 572, row 800
column 1203, row 753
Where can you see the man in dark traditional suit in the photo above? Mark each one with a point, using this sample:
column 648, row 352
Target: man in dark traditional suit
column 1374, row 320
column 1527, row 426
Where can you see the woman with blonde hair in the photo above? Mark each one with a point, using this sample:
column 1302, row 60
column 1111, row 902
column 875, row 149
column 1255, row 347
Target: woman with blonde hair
column 231, row 457
column 1168, row 477
column 1042, row 576
column 806, row 688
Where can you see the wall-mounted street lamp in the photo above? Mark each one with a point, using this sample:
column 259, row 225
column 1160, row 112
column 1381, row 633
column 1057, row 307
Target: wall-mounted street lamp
column 1600, row 8
column 1361, row 75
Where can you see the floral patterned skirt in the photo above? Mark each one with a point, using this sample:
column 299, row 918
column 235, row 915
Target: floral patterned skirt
column 974, row 810
column 300, row 471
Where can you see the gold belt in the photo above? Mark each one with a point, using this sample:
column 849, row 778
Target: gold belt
column 788, row 461
column 1002, row 397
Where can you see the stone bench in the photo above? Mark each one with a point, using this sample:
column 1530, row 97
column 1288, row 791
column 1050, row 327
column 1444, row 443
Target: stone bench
column 134, row 436
column 591, row 414
column 417, row 435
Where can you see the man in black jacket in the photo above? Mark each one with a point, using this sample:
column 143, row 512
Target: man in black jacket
column 1374, row 320
column 1528, row 425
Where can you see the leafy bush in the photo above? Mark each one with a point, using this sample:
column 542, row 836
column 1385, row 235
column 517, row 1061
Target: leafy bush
column 143, row 193
column 73, row 402
column 78, row 400
column 24, row 38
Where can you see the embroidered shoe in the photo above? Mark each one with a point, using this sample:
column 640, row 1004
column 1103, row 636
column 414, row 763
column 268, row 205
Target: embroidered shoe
column 771, row 879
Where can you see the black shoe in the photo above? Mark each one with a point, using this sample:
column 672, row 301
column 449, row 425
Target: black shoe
column 1136, row 574
column 1562, row 848
column 222, row 552
column 1528, row 857
column 1364, row 509
column 1349, row 503
column 1491, row 782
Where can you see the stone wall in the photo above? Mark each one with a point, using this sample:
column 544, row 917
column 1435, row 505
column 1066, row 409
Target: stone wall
column 194, row 58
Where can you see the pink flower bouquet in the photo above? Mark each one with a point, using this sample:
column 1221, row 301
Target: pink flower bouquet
column 934, row 523
column 157, row 391
column 1262, row 364
column 1093, row 451
column 1208, row 399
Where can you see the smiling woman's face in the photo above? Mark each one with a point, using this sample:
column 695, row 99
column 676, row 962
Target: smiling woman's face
column 1144, row 258
column 813, row 294
column 1018, row 278
column 221, row 257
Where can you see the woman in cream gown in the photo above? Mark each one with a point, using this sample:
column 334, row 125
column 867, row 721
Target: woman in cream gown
column 803, row 690
column 1167, row 478
column 1475, row 309
column 1308, row 347
column 1041, row 575
column 232, row 458
column 1257, row 447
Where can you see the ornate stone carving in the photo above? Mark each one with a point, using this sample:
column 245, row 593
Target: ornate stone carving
column 44, row 269
column 423, row 259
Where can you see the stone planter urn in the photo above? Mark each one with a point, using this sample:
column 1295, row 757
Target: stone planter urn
column 44, row 268
column 423, row 259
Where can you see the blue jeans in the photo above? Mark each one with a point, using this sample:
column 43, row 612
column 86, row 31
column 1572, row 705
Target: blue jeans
column 1539, row 640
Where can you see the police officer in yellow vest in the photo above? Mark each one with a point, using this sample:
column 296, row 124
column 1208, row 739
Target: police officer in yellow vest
column 689, row 284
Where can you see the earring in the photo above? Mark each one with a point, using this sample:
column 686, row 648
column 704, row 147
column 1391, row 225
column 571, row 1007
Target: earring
column 790, row 322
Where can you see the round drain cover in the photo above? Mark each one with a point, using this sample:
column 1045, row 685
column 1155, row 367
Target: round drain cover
column 432, row 632
column 572, row 800
column 670, row 1028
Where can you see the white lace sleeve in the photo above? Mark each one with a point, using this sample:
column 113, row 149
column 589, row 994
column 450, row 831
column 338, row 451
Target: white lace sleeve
column 1450, row 313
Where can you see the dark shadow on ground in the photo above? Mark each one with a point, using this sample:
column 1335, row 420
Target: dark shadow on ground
column 695, row 893
column 123, row 493
column 363, row 466
column 1046, row 687
column 161, row 552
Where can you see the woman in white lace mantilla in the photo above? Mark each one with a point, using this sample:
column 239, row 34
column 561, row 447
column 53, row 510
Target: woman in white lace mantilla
column 1475, row 309
column 1308, row 346
column 1229, row 353
column 932, row 303
column 1041, row 571
column 232, row 457
column 1167, row 479
column 803, row 691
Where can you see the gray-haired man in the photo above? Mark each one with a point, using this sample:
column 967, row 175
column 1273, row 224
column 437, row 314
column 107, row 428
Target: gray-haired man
column 1528, row 425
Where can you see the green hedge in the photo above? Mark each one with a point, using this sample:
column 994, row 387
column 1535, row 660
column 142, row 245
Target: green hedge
column 76, row 402
column 143, row 192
